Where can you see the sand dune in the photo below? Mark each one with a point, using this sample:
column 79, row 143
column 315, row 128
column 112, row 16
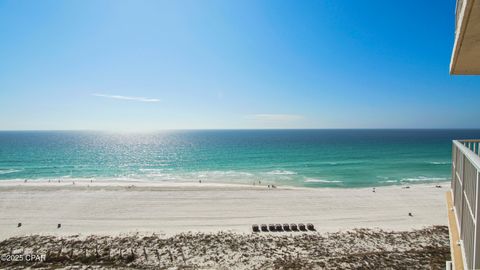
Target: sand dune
column 359, row 249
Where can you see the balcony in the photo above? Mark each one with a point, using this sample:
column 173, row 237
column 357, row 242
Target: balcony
column 466, row 50
column 465, row 191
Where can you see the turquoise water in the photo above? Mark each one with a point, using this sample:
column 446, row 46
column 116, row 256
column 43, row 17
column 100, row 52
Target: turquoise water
column 311, row 158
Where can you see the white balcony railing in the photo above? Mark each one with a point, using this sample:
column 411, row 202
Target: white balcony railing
column 465, row 190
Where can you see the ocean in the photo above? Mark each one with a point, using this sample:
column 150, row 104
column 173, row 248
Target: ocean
column 306, row 158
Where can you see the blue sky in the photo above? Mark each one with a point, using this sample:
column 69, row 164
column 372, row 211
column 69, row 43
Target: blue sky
column 150, row 65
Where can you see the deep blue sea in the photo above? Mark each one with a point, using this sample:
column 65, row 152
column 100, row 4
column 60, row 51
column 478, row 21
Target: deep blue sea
column 310, row 158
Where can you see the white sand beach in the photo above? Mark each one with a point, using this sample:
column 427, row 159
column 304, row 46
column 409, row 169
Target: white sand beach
column 110, row 208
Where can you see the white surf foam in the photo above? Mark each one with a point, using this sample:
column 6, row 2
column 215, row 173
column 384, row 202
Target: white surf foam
column 389, row 181
column 439, row 162
column 7, row 171
column 281, row 172
column 423, row 178
column 314, row 180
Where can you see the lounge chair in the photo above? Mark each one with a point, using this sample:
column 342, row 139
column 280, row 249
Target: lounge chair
column 278, row 228
column 271, row 227
column 264, row 228
column 255, row 228
column 286, row 227
column 294, row 227
column 310, row 227
column 302, row 227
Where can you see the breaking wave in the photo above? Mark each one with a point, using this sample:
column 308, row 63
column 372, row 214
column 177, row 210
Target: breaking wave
column 439, row 162
column 281, row 172
column 7, row 171
column 423, row 178
column 314, row 180
column 389, row 181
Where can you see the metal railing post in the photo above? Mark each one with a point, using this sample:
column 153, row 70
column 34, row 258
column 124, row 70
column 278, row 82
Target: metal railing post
column 476, row 263
column 462, row 202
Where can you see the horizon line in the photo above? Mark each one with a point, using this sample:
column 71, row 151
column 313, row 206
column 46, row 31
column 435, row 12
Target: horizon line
column 217, row 129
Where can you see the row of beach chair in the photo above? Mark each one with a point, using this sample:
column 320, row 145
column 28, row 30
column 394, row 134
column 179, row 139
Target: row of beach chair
column 283, row 228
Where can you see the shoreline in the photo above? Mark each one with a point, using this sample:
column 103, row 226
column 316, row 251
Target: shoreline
column 113, row 208
column 120, row 182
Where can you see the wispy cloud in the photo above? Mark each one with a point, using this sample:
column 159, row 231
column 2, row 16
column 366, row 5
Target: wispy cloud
column 140, row 99
column 275, row 117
